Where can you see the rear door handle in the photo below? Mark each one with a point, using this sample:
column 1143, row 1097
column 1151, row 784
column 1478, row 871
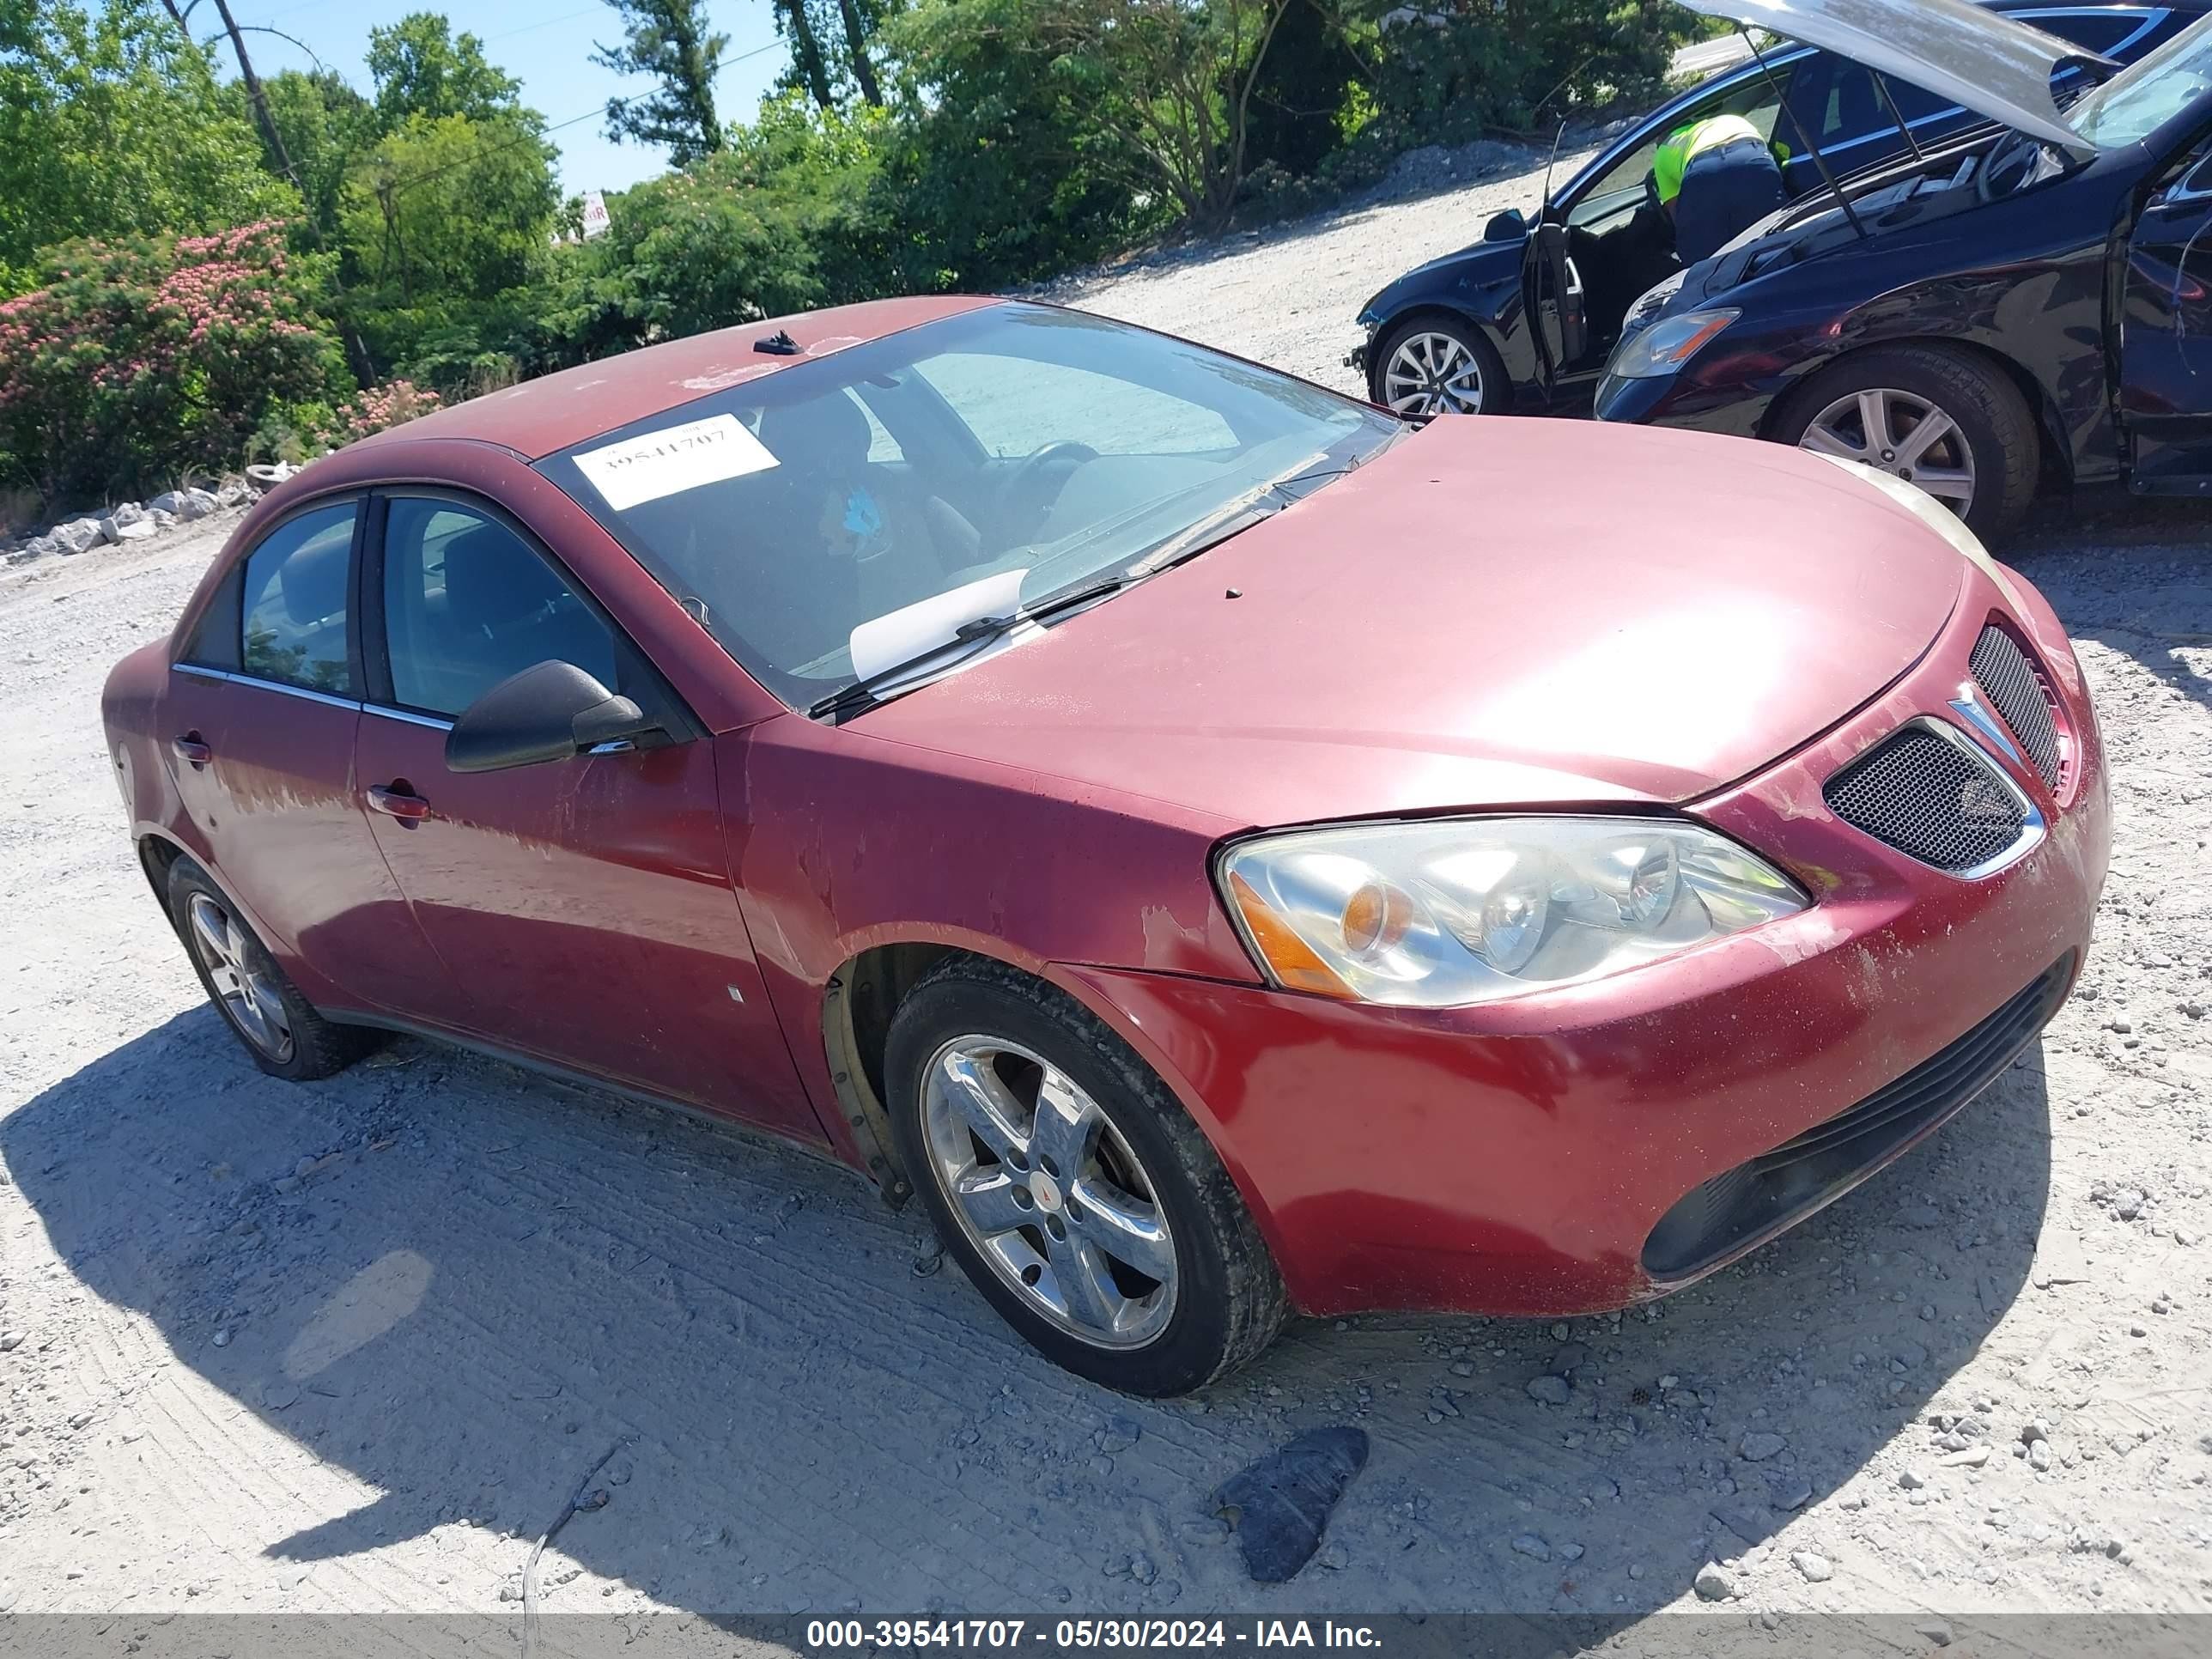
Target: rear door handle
column 397, row 803
column 189, row 749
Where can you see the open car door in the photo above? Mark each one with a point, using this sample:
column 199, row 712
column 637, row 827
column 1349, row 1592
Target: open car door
column 1558, row 309
column 2165, row 335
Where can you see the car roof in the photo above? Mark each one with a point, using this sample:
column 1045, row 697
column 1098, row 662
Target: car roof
column 540, row 416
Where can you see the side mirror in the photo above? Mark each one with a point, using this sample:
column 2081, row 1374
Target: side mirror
column 1507, row 227
column 550, row 712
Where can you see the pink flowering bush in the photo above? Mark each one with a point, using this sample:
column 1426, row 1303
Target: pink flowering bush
column 378, row 407
column 146, row 358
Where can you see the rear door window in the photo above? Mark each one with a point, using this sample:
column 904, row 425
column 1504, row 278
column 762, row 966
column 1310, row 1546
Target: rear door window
column 295, row 602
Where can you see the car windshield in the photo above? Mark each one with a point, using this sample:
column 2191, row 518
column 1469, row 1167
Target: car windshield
column 1046, row 449
column 2145, row 96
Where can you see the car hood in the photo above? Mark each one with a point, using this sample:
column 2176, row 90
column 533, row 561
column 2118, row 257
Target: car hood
column 1991, row 63
column 1493, row 612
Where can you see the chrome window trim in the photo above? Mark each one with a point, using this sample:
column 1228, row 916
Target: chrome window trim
column 408, row 717
column 258, row 683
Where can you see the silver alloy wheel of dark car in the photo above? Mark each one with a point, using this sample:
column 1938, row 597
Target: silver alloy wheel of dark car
column 1431, row 372
column 1903, row 435
column 252, row 999
column 1048, row 1189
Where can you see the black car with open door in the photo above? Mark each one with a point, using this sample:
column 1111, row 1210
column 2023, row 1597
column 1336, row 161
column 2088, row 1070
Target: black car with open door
column 1990, row 318
column 1522, row 320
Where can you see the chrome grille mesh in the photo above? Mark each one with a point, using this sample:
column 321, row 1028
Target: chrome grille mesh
column 2009, row 679
column 1930, row 798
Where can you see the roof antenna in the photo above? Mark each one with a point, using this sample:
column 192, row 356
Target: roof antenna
column 1783, row 110
column 778, row 344
column 1557, row 138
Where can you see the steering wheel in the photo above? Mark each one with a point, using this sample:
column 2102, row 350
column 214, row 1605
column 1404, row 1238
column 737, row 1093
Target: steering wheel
column 1026, row 493
column 1067, row 452
column 2013, row 153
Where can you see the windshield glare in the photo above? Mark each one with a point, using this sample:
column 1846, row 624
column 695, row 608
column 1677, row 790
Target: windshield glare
column 2146, row 95
column 786, row 511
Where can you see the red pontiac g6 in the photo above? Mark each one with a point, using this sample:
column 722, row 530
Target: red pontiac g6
column 1225, row 850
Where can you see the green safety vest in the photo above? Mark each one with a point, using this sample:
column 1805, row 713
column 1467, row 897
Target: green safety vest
column 1674, row 155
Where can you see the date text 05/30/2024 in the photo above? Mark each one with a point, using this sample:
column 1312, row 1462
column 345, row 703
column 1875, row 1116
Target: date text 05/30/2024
column 830, row 1634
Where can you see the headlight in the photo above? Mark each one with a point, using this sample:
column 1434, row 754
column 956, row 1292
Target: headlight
column 1451, row 911
column 1936, row 516
column 1669, row 343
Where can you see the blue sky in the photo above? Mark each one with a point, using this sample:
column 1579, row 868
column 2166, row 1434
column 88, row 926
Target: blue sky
column 545, row 43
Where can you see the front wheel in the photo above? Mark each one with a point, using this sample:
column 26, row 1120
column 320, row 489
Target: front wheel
column 1437, row 366
column 1071, row 1186
column 1948, row 422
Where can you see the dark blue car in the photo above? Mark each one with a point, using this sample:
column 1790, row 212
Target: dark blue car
column 1524, row 321
column 1994, row 317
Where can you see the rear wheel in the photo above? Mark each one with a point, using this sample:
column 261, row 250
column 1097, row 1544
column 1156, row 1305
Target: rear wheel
column 264, row 1009
column 1944, row 421
column 1072, row 1188
column 1437, row 365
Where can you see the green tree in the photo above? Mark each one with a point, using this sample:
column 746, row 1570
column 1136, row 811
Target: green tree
column 669, row 40
column 419, row 67
column 117, row 125
column 444, row 225
column 993, row 163
column 811, row 63
column 325, row 126
column 784, row 219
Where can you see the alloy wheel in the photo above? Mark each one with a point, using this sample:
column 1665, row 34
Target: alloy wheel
column 1903, row 435
column 1433, row 374
column 1049, row 1191
column 245, row 990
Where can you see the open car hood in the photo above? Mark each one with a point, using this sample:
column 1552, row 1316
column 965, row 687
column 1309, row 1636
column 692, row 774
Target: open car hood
column 1982, row 59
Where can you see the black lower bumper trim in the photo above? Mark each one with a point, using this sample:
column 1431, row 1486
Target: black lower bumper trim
column 1754, row 1202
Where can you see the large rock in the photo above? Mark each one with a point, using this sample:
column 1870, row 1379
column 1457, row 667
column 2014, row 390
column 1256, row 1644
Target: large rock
column 127, row 523
column 37, row 547
column 231, row 491
column 78, row 535
column 185, row 504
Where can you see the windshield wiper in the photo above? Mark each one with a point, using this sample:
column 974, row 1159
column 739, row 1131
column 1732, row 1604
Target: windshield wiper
column 868, row 692
column 1236, row 517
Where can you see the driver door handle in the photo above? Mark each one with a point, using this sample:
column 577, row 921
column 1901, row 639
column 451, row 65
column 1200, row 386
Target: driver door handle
column 190, row 750
column 397, row 803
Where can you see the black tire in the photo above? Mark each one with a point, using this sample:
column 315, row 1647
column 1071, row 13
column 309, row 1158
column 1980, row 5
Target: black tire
column 1496, row 391
column 1998, row 428
column 1229, row 1302
column 314, row 1047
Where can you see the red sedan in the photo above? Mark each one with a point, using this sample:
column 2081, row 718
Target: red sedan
column 1225, row 850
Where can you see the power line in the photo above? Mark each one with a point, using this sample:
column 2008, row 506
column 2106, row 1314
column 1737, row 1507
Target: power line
column 542, row 23
column 520, row 139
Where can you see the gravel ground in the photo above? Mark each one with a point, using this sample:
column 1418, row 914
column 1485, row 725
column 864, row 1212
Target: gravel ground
column 349, row 1346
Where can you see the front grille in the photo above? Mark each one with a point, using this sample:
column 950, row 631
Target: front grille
column 2008, row 678
column 1777, row 1189
column 1931, row 799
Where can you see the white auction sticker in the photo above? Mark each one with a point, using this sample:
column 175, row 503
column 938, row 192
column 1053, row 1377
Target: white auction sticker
column 674, row 459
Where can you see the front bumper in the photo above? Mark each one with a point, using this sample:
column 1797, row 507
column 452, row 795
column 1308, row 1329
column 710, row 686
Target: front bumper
column 1730, row 408
column 1517, row 1158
